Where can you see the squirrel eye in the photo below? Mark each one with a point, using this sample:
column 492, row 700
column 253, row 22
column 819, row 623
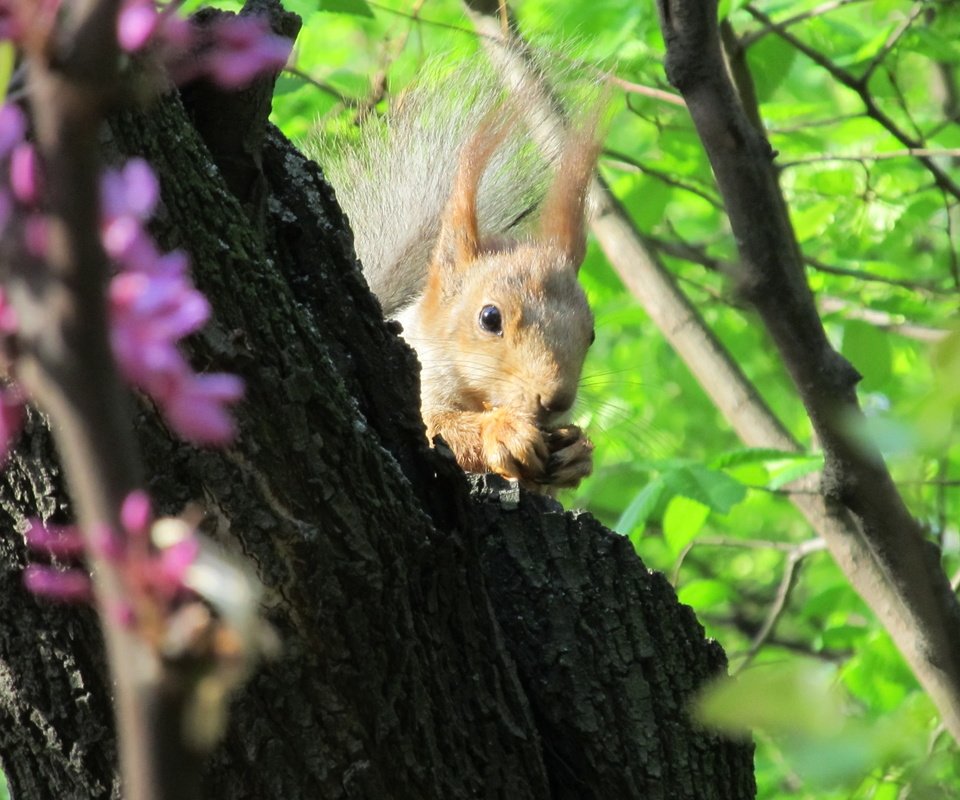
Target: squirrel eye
column 491, row 320
column 593, row 336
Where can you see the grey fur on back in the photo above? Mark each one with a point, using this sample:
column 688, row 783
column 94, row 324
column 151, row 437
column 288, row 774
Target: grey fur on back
column 395, row 179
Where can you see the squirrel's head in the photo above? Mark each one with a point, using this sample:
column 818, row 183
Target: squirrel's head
column 510, row 329
column 503, row 322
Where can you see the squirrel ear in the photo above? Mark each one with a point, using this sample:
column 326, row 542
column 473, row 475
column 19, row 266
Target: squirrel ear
column 459, row 240
column 562, row 212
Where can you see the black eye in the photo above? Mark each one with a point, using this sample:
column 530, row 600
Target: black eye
column 593, row 336
column 491, row 321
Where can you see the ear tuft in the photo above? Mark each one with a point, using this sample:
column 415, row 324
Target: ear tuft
column 459, row 241
column 562, row 213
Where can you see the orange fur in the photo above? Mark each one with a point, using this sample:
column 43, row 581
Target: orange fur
column 496, row 397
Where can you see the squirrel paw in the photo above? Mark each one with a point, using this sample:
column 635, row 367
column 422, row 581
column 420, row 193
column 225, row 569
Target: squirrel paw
column 514, row 447
column 571, row 457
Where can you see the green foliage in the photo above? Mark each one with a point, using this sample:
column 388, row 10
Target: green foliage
column 836, row 712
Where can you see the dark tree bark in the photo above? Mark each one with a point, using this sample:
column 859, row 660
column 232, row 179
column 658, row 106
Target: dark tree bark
column 871, row 533
column 436, row 644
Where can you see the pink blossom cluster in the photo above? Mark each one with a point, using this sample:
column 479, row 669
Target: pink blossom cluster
column 152, row 303
column 19, row 158
column 153, row 571
column 152, row 306
column 230, row 50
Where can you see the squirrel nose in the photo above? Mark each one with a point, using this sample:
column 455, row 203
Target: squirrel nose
column 556, row 403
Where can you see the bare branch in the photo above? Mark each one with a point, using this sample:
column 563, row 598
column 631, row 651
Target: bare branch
column 751, row 39
column 927, row 288
column 886, row 558
column 910, row 152
column 859, row 86
column 881, row 319
column 663, row 177
column 892, row 41
column 794, row 559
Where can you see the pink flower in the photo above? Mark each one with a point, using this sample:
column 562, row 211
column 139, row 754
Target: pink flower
column 136, row 513
column 36, row 234
column 8, row 317
column 13, row 127
column 58, row 584
column 136, row 23
column 12, row 416
column 149, row 315
column 131, row 191
column 197, row 409
column 244, row 47
column 151, row 557
column 174, row 562
column 62, row 541
column 25, row 174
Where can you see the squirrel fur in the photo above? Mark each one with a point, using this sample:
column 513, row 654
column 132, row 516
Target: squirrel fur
column 471, row 237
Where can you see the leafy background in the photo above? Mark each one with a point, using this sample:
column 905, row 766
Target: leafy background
column 834, row 710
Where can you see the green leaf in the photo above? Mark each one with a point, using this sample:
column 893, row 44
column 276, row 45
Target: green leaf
column 891, row 437
column 714, row 489
column 350, row 83
column 789, row 471
column 754, row 455
column 288, row 84
column 868, row 349
column 358, row 8
column 811, row 221
column 770, row 62
column 705, row 593
column 305, row 8
column 682, row 521
column 640, row 508
column 7, row 58
column 784, row 697
column 843, row 637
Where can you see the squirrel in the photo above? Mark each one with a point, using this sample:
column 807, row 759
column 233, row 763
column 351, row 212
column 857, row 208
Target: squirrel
column 441, row 203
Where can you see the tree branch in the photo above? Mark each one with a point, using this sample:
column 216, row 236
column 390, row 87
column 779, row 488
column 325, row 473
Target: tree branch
column 66, row 362
column 872, row 110
column 884, row 554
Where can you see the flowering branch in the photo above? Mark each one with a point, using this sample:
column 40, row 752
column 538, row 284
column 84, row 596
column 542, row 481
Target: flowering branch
column 89, row 300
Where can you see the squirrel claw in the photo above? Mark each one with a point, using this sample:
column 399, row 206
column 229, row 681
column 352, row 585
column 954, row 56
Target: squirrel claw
column 571, row 457
column 514, row 447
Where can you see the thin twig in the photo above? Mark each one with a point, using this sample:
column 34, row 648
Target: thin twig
column 787, row 581
column 858, row 85
column 665, row 178
column 910, row 152
column 750, row 39
column 892, row 41
column 872, row 277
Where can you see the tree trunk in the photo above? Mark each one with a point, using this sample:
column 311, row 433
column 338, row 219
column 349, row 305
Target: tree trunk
column 435, row 643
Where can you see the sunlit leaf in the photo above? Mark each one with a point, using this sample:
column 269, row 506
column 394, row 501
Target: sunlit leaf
column 358, row 8
column 7, row 58
column 705, row 593
column 682, row 521
column 783, row 697
column 712, row 488
column 640, row 508
column 868, row 349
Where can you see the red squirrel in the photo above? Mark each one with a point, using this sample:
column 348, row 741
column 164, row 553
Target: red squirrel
column 438, row 201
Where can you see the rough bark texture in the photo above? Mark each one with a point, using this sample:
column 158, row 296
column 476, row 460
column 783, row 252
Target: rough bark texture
column 434, row 645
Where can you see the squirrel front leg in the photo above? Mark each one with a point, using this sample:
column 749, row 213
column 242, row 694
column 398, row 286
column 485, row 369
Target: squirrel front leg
column 501, row 441
column 495, row 440
column 571, row 456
